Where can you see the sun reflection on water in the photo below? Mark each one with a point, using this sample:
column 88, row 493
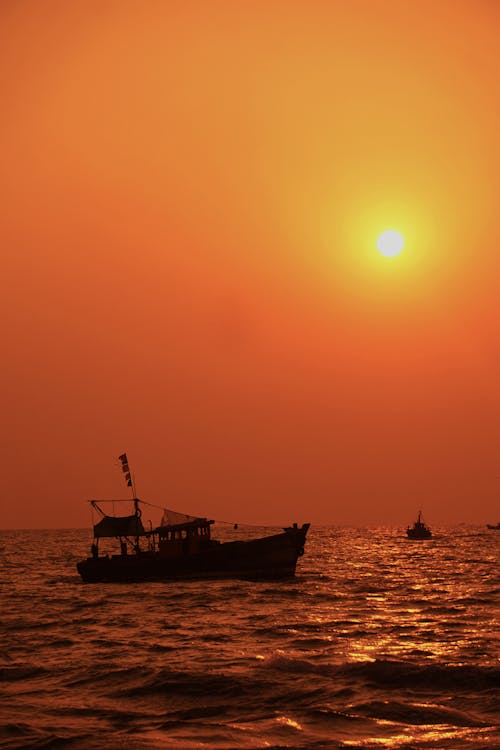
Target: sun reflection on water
column 432, row 736
column 286, row 721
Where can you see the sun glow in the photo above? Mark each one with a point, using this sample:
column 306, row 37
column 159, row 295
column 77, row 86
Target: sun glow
column 390, row 243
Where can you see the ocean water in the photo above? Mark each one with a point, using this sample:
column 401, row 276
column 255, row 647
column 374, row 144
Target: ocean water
column 379, row 642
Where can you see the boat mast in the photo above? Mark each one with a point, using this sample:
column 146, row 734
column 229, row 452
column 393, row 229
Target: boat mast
column 130, row 483
column 137, row 517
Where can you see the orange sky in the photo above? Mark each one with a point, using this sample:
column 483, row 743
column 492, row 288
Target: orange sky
column 191, row 194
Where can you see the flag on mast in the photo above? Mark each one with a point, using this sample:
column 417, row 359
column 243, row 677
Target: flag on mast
column 125, row 468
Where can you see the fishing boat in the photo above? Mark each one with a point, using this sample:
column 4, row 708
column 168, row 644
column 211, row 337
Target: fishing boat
column 419, row 530
column 493, row 525
column 181, row 548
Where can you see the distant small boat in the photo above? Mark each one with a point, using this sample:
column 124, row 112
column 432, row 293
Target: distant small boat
column 419, row 530
column 493, row 526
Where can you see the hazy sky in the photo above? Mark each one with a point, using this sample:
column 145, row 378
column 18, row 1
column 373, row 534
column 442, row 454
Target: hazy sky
column 191, row 194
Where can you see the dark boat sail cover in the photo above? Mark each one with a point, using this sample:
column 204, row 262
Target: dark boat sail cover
column 119, row 526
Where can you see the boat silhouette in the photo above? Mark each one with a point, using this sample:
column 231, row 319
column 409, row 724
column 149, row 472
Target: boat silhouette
column 184, row 550
column 181, row 548
column 419, row 530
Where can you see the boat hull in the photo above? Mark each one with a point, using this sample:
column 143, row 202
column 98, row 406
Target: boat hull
column 418, row 534
column 268, row 557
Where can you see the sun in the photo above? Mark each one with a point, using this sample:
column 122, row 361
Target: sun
column 390, row 243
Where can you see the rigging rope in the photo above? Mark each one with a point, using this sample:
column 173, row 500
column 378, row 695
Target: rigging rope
column 234, row 524
column 217, row 520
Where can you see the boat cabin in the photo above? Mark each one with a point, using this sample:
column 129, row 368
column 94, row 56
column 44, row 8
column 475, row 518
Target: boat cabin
column 176, row 540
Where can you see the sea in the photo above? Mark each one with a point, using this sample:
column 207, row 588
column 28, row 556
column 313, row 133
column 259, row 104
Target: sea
column 378, row 642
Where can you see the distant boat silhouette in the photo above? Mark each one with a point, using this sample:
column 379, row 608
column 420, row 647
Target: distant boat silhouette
column 419, row 530
column 493, row 526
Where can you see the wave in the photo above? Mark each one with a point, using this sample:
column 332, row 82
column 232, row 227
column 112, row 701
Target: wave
column 13, row 674
column 19, row 625
column 294, row 627
column 80, row 604
column 107, row 675
column 416, row 713
column 192, row 684
column 21, row 736
column 396, row 674
column 53, row 580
